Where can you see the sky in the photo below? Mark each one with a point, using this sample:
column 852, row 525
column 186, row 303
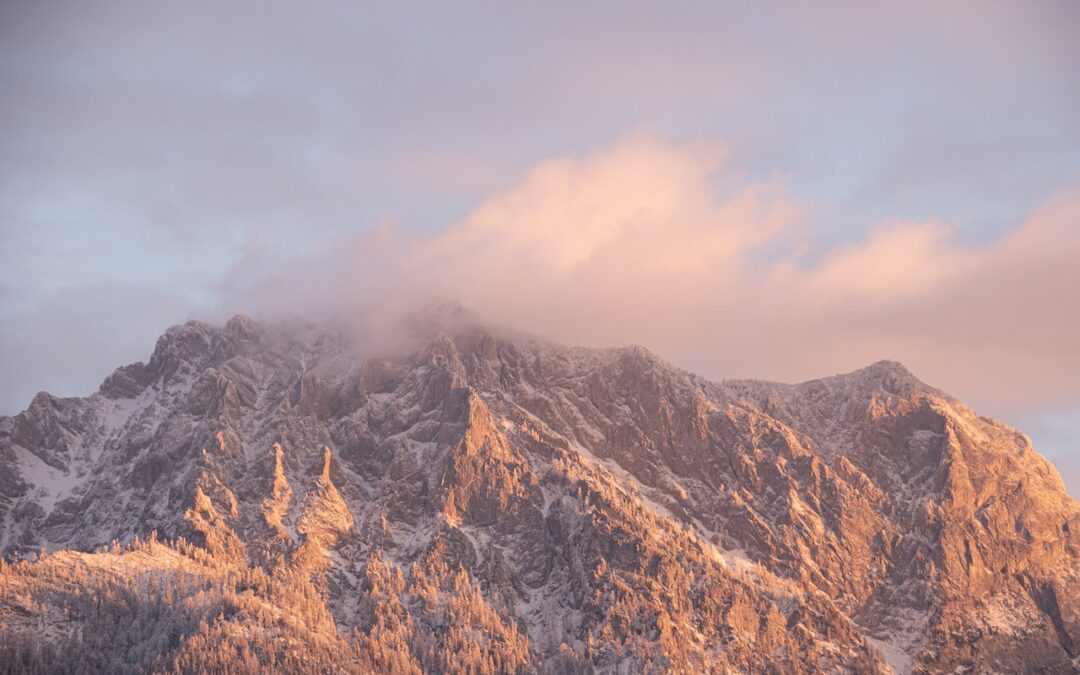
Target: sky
column 774, row 190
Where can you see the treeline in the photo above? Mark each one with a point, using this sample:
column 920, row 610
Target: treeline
column 170, row 608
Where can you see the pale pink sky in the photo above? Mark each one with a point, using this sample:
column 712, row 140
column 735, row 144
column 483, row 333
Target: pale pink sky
column 781, row 190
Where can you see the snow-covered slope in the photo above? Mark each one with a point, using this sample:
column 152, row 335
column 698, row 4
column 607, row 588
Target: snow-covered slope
column 493, row 500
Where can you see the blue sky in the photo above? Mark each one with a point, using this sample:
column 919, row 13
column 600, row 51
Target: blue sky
column 160, row 162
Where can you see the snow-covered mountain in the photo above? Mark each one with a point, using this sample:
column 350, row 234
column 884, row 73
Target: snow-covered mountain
column 275, row 496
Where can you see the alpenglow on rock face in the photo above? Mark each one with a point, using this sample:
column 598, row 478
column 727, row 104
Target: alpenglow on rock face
column 262, row 497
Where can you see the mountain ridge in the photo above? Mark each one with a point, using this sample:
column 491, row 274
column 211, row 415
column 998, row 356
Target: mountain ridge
column 860, row 522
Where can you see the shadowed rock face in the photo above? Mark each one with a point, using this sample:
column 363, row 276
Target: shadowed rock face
column 576, row 509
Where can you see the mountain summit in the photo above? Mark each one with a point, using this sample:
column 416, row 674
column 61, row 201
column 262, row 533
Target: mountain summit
column 259, row 496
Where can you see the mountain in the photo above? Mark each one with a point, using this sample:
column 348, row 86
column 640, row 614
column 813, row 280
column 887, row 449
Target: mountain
column 262, row 496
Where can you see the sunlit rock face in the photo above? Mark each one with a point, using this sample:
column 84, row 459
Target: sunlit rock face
column 491, row 502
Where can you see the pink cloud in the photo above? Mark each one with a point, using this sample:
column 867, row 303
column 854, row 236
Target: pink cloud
column 637, row 244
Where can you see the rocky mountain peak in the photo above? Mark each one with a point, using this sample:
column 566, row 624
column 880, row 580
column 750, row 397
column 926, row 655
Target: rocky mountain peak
column 486, row 497
column 243, row 327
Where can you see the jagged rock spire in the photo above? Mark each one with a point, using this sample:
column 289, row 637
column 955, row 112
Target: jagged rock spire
column 326, row 464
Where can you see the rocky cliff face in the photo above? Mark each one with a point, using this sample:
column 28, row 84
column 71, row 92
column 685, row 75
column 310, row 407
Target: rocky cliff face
column 498, row 503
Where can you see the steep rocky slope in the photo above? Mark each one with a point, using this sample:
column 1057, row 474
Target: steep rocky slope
column 492, row 501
